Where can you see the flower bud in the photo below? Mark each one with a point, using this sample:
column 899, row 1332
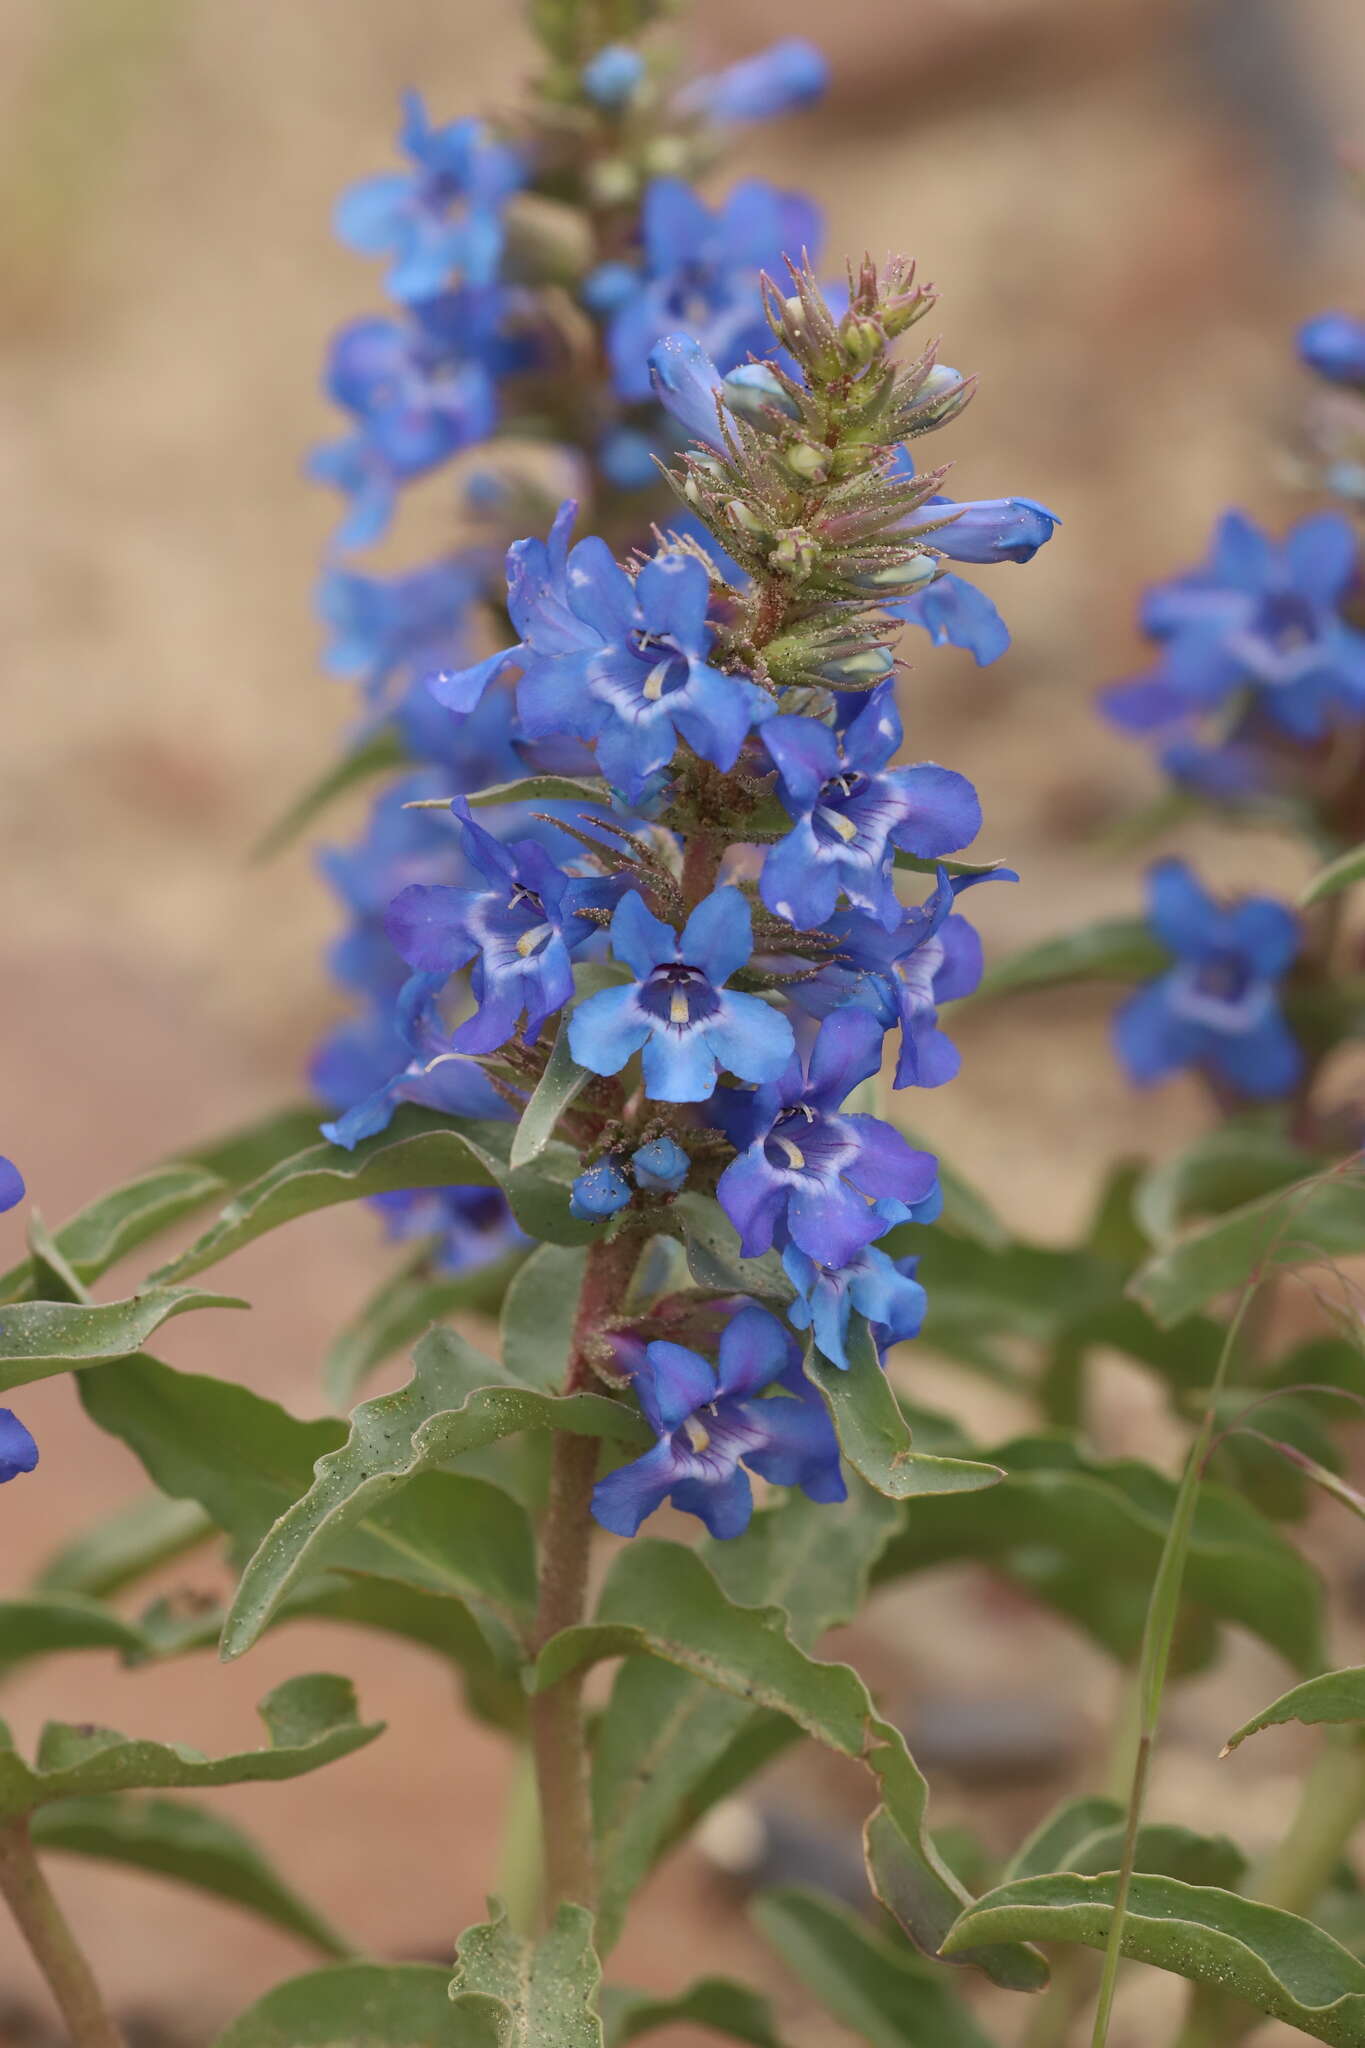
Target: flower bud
column 985, row 529
column 613, row 182
column 789, row 74
column 795, row 555
column 862, row 340
column 742, row 517
column 1334, row 346
column 686, row 383
column 660, row 1167
column 754, row 392
column 860, row 670
column 612, row 76
column 599, row 1192
column 807, row 461
column 896, row 578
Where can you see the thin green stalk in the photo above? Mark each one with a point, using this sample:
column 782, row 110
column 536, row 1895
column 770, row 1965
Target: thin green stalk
column 1154, row 1660
column 54, row 1947
column 520, row 1873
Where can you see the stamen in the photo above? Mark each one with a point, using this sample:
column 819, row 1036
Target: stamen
column 696, row 1435
column 795, row 1156
column 845, row 827
column 654, row 682
column 530, row 941
column 679, row 1010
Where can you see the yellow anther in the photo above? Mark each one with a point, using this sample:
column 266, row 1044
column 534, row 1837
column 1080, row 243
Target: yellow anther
column 678, row 1011
column 795, row 1156
column 654, row 682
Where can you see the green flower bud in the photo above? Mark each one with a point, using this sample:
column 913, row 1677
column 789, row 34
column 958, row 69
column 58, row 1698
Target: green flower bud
column 803, row 459
column 795, row 555
column 862, row 340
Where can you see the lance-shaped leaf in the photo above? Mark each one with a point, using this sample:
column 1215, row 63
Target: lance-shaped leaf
column 403, row 1309
column 557, row 1087
column 1086, row 1835
column 548, row 1989
column 360, row 2005
column 1311, row 1222
column 125, row 1546
column 538, row 1315
column 127, row 1216
column 661, row 1600
column 456, row 1401
column 1227, row 1167
column 885, row 1994
column 1085, row 1536
column 713, row 1257
column 545, row 789
column 873, row 1433
column 912, row 863
column 381, row 754
column 190, row 1845
column 670, row 1744
column 716, row 2003
column 310, row 1721
column 1280, row 1965
column 419, row 1150
column 40, row 1338
column 1339, row 874
column 1332, row 1697
column 1113, row 949
column 42, row 1624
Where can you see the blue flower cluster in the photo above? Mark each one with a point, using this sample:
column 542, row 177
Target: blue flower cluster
column 18, row 1451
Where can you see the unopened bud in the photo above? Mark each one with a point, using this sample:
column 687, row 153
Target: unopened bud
column 742, row 517
column 613, row 182
column 862, row 340
column 858, row 671
column 805, row 460
column 755, row 393
column 667, row 157
column 795, row 556
column 902, row 576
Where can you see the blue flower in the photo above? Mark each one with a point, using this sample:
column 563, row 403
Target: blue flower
column 611, row 77
column 443, row 219
column 519, row 932
column 383, row 626
column 678, row 1007
column 661, row 1167
column 620, row 665
column 809, row 1174
column 849, row 811
column 394, row 1054
column 18, row 1452
column 1333, row 344
column 1217, row 1007
column 700, row 275
column 12, row 1189
column 753, row 1408
column 882, row 1289
column 599, row 1192
column 787, row 75
column 1259, row 617
column 903, row 975
column 955, row 613
column 983, row 530
column 471, row 1226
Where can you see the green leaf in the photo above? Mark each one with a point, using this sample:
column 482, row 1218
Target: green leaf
column 561, row 1081
column 661, row 1600
column 115, row 1224
column 125, row 1547
column 1278, row 1964
column 874, row 1435
column 538, row 1315
column 38, row 1626
column 190, row 1844
column 1315, row 1220
column 669, row 1744
column 1086, row 1835
column 1114, row 949
column 381, row 754
column 1085, row 1536
column 884, row 1994
column 543, row 789
column 1337, row 875
column 911, row 863
column 456, row 1401
column 403, row 1309
column 711, row 1243
column 311, row 1721
column 1226, row 1167
column 548, row 1991
column 40, row 1338
column 357, row 2005
column 713, row 2002
column 420, row 1149
column 1333, row 1696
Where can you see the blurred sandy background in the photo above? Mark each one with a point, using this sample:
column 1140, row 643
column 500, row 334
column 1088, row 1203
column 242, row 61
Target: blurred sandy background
column 1126, row 206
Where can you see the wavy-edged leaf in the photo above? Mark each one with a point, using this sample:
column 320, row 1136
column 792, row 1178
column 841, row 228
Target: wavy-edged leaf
column 116, row 1223
column 1310, row 1222
column 716, row 2003
column 538, row 1315
column 1086, row 1835
column 1280, row 1965
column 1229, row 1166
column 125, row 1547
column 403, row 1309
column 1331, row 1697
column 1085, row 1536
column 884, row 1994
column 456, row 1401
column 1113, row 949
column 420, row 1149
column 661, row 1600
column 670, row 1744
column 548, row 1989
column 562, row 1080
column 358, row 2005
column 711, row 1243
column 311, row 1721
column 1339, row 874
column 873, row 1433
column 381, row 754
column 189, row 1844
column 40, row 1338
column 41, row 1625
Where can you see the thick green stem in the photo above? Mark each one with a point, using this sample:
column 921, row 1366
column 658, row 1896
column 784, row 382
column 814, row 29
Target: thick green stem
column 43, row 1925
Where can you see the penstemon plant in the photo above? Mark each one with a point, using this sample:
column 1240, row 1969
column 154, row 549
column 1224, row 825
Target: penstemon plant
column 646, row 932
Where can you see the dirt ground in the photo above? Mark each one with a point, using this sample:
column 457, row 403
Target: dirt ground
column 1126, row 208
